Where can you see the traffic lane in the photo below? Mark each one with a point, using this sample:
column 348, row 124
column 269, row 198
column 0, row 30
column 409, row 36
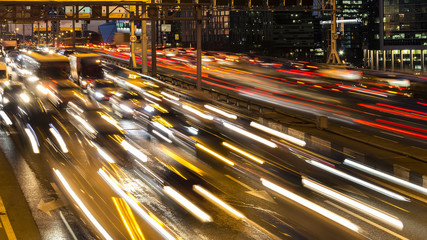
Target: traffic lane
column 308, row 94
column 215, row 179
column 106, row 206
column 341, row 103
column 17, row 220
column 173, row 221
column 372, row 198
column 228, row 227
column 36, row 185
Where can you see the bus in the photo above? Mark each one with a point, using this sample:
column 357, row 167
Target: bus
column 38, row 65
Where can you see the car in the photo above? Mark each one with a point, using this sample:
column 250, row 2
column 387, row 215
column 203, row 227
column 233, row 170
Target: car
column 4, row 76
column 60, row 92
column 12, row 94
column 124, row 102
column 103, row 131
column 66, row 52
column 101, row 90
column 166, row 123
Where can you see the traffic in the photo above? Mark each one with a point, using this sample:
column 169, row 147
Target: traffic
column 133, row 158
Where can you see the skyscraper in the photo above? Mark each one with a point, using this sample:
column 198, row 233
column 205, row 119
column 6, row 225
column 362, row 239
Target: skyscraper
column 401, row 40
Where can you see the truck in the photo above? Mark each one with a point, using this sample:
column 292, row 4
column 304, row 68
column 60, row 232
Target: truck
column 8, row 45
column 85, row 68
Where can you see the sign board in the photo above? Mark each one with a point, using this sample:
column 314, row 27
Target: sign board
column 166, row 27
column 165, row 37
column 65, row 25
column 133, row 38
column 177, row 37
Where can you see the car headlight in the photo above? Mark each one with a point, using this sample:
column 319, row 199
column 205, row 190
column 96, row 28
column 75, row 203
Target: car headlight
column 24, row 97
column 33, row 79
column 126, row 108
column 193, row 130
column 98, row 95
column 149, row 108
column 5, row 100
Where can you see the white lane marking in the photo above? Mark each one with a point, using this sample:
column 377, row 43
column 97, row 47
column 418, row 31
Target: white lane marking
column 67, row 225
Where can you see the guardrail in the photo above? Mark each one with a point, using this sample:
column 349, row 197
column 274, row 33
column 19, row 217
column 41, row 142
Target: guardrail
column 270, row 117
column 242, row 103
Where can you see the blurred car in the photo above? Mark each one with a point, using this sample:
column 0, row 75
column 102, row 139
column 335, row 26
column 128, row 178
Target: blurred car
column 4, row 76
column 60, row 92
column 14, row 93
column 10, row 56
column 124, row 103
column 101, row 90
column 65, row 52
column 128, row 79
column 166, row 123
column 103, row 130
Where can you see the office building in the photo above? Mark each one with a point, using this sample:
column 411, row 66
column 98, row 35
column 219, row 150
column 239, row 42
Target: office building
column 401, row 41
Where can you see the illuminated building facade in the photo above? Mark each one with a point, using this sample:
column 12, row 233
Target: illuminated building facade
column 401, row 37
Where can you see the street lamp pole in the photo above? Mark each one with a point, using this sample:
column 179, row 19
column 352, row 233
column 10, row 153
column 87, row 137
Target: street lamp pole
column 199, row 47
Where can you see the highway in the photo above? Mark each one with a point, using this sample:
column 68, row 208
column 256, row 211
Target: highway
column 227, row 177
column 383, row 111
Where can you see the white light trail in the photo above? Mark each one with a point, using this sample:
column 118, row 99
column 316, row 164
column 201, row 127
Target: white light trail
column 250, row 135
column 385, row 176
column 193, row 209
column 197, row 112
column 170, row 96
column 82, row 206
column 353, row 203
column 217, row 110
column 287, row 137
column 5, row 118
column 359, row 181
column 134, row 205
column 162, row 137
column 128, row 147
column 218, row 202
column 33, row 140
column 310, row 205
column 59, row 139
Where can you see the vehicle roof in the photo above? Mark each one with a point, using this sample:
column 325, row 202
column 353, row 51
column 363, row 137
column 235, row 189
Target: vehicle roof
column 85, row 55
column 65, row 83
column 46, row 57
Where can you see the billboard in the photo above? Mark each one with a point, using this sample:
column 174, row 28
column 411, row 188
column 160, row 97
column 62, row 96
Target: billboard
column 65, row 25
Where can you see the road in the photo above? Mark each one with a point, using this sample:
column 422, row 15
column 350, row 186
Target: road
column 243, row 183
column 384, row 112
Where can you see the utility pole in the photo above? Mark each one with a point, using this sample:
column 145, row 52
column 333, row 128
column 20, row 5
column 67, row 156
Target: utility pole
column 38, row 33
column 333, row 56
column 144, row 42
column 74, row 27
column 153, row 14
column 199, row 47
column 132, row 43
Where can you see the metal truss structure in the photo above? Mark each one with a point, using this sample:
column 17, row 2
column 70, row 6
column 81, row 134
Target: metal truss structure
column 32, row 11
